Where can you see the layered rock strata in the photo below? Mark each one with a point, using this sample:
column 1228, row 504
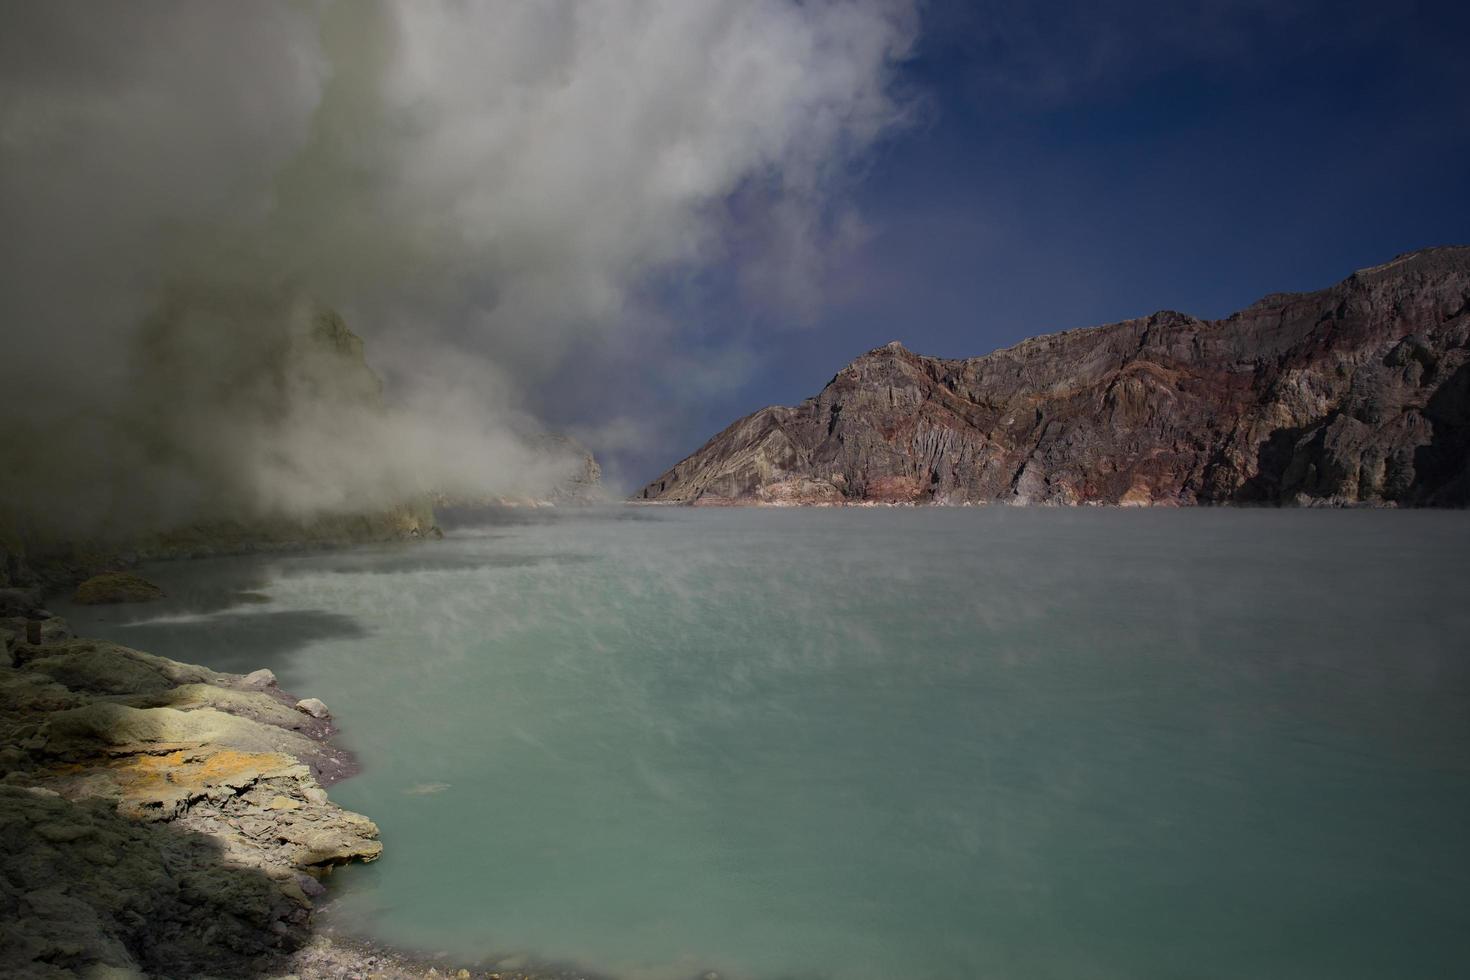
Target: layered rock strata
column 156, row 817
column 1356, row 394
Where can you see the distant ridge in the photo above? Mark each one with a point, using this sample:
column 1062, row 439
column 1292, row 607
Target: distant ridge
column 1354, row 394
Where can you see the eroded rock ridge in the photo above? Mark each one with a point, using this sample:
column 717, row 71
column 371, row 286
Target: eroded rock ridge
column 1355, row 394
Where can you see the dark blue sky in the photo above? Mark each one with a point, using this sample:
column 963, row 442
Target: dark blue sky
column 1078, row 163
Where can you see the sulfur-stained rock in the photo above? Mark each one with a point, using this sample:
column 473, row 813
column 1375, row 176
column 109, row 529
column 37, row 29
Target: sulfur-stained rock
column 179, row 816
column 90, row 893
column 121, row 729
column 351, row 837
column 255, row 705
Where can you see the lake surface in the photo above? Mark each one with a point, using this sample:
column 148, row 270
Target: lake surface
column 988, row 743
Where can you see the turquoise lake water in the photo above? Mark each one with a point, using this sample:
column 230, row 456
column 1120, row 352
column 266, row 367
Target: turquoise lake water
column 988, row 743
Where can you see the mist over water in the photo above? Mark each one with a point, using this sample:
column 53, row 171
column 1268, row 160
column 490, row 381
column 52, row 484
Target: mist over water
column 981, row 743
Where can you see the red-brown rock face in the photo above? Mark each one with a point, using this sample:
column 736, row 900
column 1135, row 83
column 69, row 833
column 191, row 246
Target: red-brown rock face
column 1357, row 393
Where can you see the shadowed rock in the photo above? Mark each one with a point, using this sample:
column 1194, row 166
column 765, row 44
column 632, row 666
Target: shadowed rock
column 88, row 892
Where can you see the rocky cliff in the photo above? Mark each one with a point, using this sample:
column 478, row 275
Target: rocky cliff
column 583, row 485
column 568, row 476
column 1359, row 393
column 204, row 417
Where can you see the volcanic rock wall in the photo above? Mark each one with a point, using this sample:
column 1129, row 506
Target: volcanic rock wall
column 1359, row 393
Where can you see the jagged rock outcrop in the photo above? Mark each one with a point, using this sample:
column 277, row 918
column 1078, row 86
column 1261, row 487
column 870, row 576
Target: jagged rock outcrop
column 564, row 473
column 311, row 364
column 1359, row 393
column 583, row 485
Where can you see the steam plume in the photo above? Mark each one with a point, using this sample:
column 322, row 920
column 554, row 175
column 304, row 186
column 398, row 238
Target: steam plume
column 191, row 189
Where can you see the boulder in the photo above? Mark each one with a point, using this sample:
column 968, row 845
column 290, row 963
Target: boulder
column 116, row 587
column 313, row 707
column 261, row 678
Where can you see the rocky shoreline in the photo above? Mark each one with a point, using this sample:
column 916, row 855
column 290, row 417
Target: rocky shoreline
column 164, row 819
